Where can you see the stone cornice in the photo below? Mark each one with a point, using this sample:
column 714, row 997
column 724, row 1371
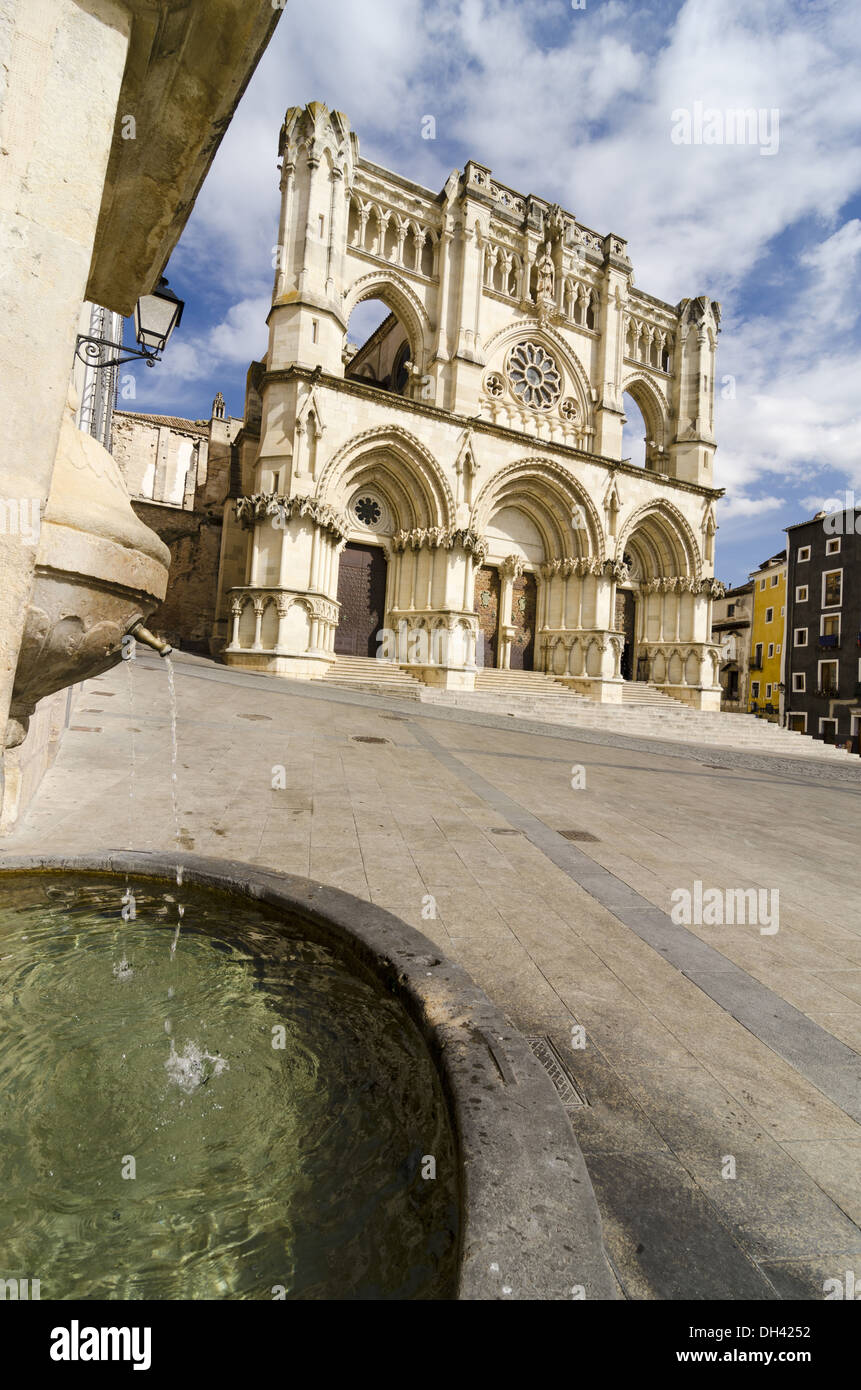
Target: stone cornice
column 481, row 426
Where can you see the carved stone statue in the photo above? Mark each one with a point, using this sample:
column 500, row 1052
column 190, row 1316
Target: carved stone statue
column 546, row 273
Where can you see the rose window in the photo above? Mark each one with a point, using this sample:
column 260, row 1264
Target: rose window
column 534, row 376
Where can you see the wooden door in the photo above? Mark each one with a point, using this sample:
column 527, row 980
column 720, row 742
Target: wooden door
column 362, row 596
column 625, row 612
column 521, row 656
column 487, row 608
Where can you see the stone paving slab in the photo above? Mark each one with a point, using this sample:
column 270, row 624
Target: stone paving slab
column 710, row 1042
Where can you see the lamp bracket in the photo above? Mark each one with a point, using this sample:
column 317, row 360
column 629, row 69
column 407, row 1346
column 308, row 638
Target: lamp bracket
column 89, row 351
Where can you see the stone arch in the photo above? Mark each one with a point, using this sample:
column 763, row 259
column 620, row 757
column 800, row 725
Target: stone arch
column 392, row 460
column 552, row 498
column 664, row 543
column 654, row 410
column 398, row 296
column 497, row 347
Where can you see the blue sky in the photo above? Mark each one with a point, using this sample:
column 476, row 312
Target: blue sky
column 576, row 104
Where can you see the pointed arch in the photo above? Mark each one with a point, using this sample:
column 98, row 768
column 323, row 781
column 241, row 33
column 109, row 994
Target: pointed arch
column 663, row 541
column 653, row 408
column 394, row 292
column 554, row 501
column 406, row 473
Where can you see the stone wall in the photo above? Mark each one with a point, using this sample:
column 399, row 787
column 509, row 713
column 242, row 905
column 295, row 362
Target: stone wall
column 178, row 474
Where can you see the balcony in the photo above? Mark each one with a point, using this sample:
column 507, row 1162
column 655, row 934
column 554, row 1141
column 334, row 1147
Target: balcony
column 829, row 640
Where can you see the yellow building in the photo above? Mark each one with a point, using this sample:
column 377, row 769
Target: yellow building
column 767, row 639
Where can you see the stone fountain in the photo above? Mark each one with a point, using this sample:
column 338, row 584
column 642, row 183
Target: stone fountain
column 99, row 573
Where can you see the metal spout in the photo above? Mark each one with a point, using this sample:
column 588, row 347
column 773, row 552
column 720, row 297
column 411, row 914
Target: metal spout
column 149, row 639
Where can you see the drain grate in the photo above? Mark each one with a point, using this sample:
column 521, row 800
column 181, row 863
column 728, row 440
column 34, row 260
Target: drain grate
column 554, row 1064
column 369, row 738
column 578, row 835
column 504, row 830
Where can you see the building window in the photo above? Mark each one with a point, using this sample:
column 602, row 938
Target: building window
column 799, row 682
column 803, row 554
column 828, row 730
column 800, row 637
column 761, row 585
column 801, row 594
column 828, row 678
column 798, row 723
column 775, row 580
column 730, row 609
column 768, row 692
column 832, row 547
column 832, row 588
column 315, row 326
column 754, row 690
column 757, row 657
column 769, row 615
column 770, row 650
column 829, row 630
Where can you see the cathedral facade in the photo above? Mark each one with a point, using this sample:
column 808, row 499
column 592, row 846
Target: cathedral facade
column 452, row 493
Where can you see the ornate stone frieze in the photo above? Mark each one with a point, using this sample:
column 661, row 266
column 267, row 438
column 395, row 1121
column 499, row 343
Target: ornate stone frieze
column 440, row 537
column 683, row 584
column 580, row 565
column 261, row 505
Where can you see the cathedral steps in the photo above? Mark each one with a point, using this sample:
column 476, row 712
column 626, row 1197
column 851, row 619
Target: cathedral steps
column 374, row 677
column 642, row 693
column 644, row 712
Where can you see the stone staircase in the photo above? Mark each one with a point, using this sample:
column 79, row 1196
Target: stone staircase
column 645, row 711
column 641, row 693
column 374, row 677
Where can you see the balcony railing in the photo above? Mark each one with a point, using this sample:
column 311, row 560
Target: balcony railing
column 828, row 639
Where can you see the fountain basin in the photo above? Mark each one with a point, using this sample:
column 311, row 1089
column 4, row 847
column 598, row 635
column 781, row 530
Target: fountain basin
column 525, row 1223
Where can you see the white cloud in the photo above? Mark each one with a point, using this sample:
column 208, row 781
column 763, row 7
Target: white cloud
column 576, row 105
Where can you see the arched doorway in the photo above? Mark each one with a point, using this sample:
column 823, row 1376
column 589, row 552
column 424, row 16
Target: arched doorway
column 487, row 588
column 362, row 596
column 626, row 611
column 523, row 610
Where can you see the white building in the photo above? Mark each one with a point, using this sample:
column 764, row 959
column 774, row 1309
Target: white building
column 460, row 477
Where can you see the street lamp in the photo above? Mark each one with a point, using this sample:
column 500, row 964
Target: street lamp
column 156, row 316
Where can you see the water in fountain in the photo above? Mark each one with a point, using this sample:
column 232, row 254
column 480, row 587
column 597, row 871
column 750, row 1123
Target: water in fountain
column 174, row 797
column 279, row 1155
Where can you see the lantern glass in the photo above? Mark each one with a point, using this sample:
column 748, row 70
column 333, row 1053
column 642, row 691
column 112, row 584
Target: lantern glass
column 156, row 316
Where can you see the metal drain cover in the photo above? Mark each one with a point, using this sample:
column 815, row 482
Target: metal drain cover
column 577, row 835
column 554, row 1064
column 369, row 738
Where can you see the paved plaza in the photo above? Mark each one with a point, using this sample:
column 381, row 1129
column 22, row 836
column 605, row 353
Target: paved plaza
column 710, row 1072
